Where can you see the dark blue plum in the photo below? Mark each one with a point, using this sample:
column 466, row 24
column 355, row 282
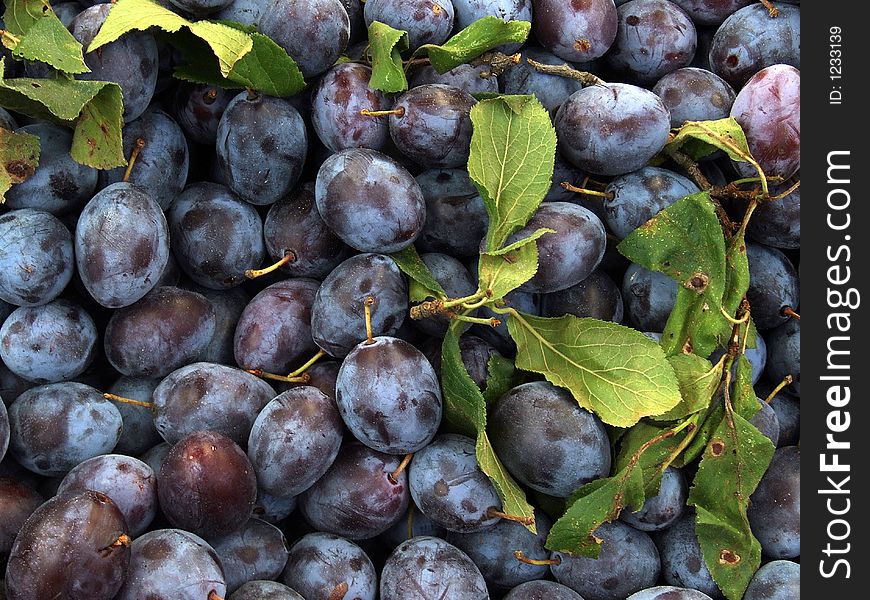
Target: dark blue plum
column 36, row 258
column 638, row 196
column 575, row 31
column 449, row 487
column 468, row 78
column 433, row 127
column 4, row 430
column 264, row 590
column 130, row 61
column 314, row 33
column 121, row 244
column 467, row 12
column 338, row 312
column 163, row 331
column 668, row 592
column 139, row 433
column 492, row 550
column 261, row 146
column 198, row 109
column 784, row 356
column 750, row 40
column 246, row 12
column 201, row 7
column 775, row 506
column 597, row 296
column 768, row 108
column 206, row 485
column 778, row 223
column 456, row 281
column 711, row 12
column 568, row 256
column 81, row 558
column 172, row 563
column 777, row 580
column 766, row 421
column 319, row 563
column 693, row 94
column 612, row 129
column 413, row 524
column 129, row 482
column 628, row 562
column 273, row 509
column 550, row 90
column 59, row 184
column 660, row 511
column 773, row 286
column 209, row 396
column 653, row 38
column 162, row 163
column 340, row 95
column 788, row 414
column 357, row 497
column 215, row 235
column 547, row 441
column 48, row 343
column 294, row 440
column 456, row 217
column 682, row 562
column 228, row 306
column 542, row 590
column 389, row 396
column 563, row 171
column 17, row 502
column 369, row 200
column 274, row 332
column 426, row 21
column 6, row 120
column 257, row 551
column 54, row 427
column 154, row 456
column 428, row 568
column 294, row 226
column 649, row 298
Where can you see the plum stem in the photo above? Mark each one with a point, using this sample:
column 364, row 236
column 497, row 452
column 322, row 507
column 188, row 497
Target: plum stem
column 399, row 112
column 787, row 380
column 304, row 378
column 137, row 148
column 210, row 96
column 771, row 9
column 790, row 312
column 367, row 307
column 116, row 398
column 406, row 460
column 288, row 258
column 565, row 70
column 521, row 556
column 338, row 592
column 586, row 191
column 493, row 322
column 213, row 595
column 298, row 372
column 493, row 513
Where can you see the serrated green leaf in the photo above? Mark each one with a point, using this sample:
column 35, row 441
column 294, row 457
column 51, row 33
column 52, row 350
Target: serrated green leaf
column 136, row 15
column 652, row 460
column 732, row 465
column 698, row 139
column 513, row 149
column 485, row 95
column 501, row 274
column 520, row 243
column 19, row 157
column 595, row 503
column 386, row 46
column 513, row 498
column 92, row 108
column 736, row 280
column 42, row 37
column 743, row 396
column 465, row 412
column 685, row 242
column 500, row 377
column 698, row 380
column 614, row 371
column 479, row 37
column 423, row 283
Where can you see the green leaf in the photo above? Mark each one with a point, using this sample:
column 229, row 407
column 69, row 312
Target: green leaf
column 500, row 377
column 513, row 149
column 698, row 380
column 652, row 458
column 698, row 139
column 423, row 283
column 500, row 274
column 386, row 46
column 732, row 465
column 465, row 412
column 513, row 498
column 743, row 396
column 93, row 108
column 19, row 157
column 520, row 243
column 479, row 37
column 614, row 371
column 215, row 53
column 685, row 242
column 42, row 37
